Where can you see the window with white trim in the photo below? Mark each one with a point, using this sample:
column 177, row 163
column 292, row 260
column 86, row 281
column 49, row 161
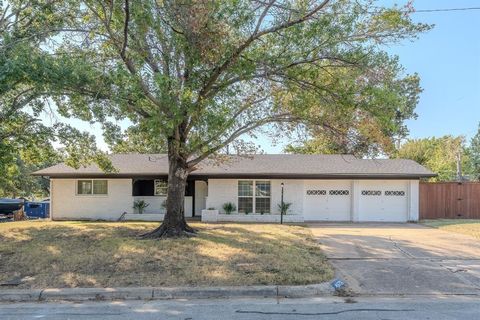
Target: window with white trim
column 258, row 202
column 262, row 196
column 160, row 187
column 92, row 187
column 245, row 196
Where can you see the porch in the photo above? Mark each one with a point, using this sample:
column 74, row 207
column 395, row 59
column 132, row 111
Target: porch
column 153, row 193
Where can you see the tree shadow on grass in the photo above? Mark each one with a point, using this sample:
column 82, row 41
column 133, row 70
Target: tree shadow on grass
column 102, row 254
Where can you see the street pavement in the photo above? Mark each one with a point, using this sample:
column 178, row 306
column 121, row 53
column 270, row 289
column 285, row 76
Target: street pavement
column 392, row 308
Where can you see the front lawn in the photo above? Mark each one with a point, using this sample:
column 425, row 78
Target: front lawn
column 94, row 254
column 469, row 227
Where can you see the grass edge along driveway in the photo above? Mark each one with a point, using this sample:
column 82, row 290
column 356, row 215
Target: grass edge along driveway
column 469, row 227
column 102, row 254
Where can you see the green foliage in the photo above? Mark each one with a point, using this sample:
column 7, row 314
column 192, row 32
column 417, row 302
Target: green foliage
column 136, row 139
column 474, row 153
column 229, row 207
column 140, row 205
column 16, row 179
column 367, row 124
column 29, row 78
column 438, row 154
column 284, row 207
column 203, row 74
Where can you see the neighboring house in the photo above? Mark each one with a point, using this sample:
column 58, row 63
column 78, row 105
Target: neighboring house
column 319, row 187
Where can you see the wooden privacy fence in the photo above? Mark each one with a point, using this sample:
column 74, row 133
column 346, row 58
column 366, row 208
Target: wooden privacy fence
column 450, row 200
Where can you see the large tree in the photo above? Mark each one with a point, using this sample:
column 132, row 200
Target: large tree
column 19, row 125
column 201, row 74
column 30, row 75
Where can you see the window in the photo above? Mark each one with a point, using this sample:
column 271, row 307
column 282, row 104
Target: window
column 247, row 201
column 92, row 187
column 262, row 196
column 371, row 193
column 395, row 193
column 316, row 192
column 245, row 196
column 160, row 188
column 339, row 192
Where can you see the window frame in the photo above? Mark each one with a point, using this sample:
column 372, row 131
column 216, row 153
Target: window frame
column 254, row 195
column 155, row 188
column 91, row 194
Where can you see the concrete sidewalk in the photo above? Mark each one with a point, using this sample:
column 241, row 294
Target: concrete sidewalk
column 150, row 293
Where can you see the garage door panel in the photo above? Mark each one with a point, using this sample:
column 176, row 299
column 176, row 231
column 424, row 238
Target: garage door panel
column 327, row 200
column 383, row 200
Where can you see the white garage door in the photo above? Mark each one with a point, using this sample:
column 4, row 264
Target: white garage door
column 327, row 200
column 383, row 200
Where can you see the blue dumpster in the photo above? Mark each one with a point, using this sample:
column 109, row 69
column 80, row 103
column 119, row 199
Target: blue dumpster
column 37, row 209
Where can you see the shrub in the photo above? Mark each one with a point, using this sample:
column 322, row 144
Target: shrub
column 229, row 207
column 140, row 205
column 284, row 207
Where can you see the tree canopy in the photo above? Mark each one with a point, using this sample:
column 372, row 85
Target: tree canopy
column 30, row 75
column 198, row 75
column 439, row 155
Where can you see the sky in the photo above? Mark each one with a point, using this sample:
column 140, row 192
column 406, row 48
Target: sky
column 447, row 58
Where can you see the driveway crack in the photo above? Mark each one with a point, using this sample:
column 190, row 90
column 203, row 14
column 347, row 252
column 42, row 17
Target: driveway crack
column 395, row 244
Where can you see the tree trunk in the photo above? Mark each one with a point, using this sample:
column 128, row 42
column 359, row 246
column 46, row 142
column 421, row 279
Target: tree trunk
column 174, row 224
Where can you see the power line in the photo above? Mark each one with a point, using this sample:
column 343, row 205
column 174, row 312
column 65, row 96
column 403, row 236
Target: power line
column 445, row 10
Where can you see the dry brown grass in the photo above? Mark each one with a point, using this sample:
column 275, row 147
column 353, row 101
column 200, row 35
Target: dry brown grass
column 91, row 254
column 470, row 227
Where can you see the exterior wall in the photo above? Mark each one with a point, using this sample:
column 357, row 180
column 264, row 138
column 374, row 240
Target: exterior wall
column 354, row 207
column 67, row 205
column 292, row 193
column 221, row 191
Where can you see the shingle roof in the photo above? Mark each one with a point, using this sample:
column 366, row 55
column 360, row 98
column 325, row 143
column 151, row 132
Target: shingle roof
column 264, row 165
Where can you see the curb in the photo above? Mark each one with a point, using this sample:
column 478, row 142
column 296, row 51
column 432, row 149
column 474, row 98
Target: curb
column 153, row 293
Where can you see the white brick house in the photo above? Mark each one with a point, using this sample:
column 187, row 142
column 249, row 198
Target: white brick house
column 318, row 187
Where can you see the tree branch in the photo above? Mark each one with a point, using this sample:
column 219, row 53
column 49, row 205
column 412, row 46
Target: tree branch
column 220, row 69
column 125, row 29
column 248, row 127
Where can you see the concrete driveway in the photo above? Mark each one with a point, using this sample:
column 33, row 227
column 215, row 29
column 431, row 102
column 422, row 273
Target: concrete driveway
column 401, row 258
